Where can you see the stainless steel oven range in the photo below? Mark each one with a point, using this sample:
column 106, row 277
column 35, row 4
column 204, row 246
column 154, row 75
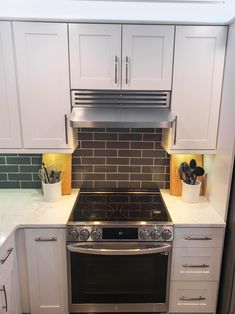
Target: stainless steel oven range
column 119, row 252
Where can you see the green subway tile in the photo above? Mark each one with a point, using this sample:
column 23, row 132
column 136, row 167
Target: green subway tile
column 31, row 185
column 8, row 168
column 37, row 160
column 19, row 176
column 9, row 185
column 29, row 168
column 2, row 160
column 29, row 155
column 18, row 160
column 36, row 177
column 5, row 155
column 3, row 177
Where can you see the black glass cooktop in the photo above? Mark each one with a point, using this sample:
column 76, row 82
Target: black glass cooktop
column 120, row 205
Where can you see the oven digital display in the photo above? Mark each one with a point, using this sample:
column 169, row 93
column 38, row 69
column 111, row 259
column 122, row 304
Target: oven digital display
column 120, row 233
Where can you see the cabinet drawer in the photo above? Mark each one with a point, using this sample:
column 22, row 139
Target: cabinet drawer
column 7, row 253
column 196, row 264
column 198, row 237
column 193, row 297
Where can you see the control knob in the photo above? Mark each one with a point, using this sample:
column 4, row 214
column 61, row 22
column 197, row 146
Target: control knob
column 95, row 234
column 156, row 234
column 73, row 233
column 84, row 235
column 144, row 234
column 166, row 234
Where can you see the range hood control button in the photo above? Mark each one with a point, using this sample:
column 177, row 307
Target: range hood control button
column 144, row 234
column 166, row 234
column 84, row 235
column 95, row 235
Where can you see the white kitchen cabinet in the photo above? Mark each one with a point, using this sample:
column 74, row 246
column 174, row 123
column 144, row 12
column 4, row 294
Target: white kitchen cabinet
column 43, row 82
column 9, row 302
column 106, row 56
column 47, row 272
column 196, row 92
column 10, row 134
column 95, row 56
column 9, row 284
column 147, row 56
column 196, row 262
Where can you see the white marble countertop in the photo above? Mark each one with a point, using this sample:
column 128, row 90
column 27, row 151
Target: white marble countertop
column 184, row 214
column 25, row 208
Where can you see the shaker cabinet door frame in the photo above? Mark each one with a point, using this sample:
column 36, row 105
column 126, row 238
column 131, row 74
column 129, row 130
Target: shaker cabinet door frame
column 10, row 133
column 197, row 84
column 95, row 56
column 43, row 80
column 147, row 57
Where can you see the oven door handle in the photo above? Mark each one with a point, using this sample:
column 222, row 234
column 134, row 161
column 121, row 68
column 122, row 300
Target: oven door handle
column 81, row 248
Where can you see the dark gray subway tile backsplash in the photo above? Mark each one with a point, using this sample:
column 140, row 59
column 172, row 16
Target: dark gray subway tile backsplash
column 105, row 158
column 120, row 157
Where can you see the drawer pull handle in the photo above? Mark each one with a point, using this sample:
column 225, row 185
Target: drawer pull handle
column 127, row 70
column 192, row 299
column 3, row 289
column 2, row 261
column 198, row 238
column 52, row 239
column 196, row 266
column 116, row 62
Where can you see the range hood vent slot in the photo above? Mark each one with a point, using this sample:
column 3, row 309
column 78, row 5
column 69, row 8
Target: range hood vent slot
column 107, row 98
column 122, row 109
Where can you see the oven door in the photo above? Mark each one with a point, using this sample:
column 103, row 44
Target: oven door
column 119, row 277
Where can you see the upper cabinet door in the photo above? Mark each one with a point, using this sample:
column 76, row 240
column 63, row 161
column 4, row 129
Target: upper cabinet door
column 10, row 136
column 43, row 80
column 147, row 56
column 197, row 83
column 95, row 56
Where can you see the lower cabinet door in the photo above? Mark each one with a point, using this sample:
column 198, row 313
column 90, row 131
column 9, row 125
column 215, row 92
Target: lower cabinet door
column 193, row 297
column 9, row 301
column 47, row 272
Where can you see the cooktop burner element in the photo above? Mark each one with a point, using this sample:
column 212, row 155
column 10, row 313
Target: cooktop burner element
column 120, row 206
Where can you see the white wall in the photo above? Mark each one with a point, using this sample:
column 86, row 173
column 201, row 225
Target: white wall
column 219, row 167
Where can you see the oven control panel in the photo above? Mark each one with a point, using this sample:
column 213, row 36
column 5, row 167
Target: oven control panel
column 120, row 233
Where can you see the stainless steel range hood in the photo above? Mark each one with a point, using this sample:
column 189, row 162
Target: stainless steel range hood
column 131, row 109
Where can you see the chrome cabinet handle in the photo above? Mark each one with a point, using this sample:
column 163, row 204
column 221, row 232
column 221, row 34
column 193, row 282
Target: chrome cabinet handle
column 195, row 266
column 2, row 261
column 52, row 239
column 66, row 128
column 3, row 289
column 175, row 129
column 192, row 299
column 127, row 70
column 198, row 238
column 116, row 63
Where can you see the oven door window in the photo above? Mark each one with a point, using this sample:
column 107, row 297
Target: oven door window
column 118, row 279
